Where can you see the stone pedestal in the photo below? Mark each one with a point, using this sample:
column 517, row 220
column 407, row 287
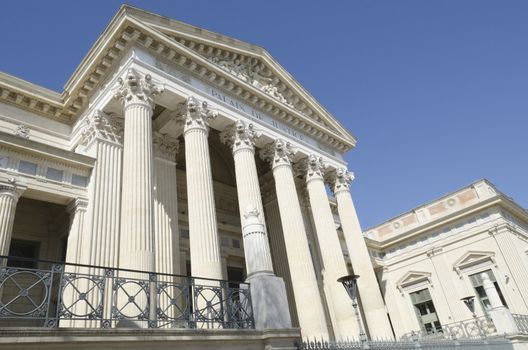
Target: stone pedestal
column 268, row 292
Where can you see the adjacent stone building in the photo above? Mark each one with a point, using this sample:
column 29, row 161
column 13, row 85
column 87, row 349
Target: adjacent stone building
column 430, row 257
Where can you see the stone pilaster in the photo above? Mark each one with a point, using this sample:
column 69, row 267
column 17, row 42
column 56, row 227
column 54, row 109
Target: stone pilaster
column 204, row 240
column 9, row 195
column 137, row 239
column 309, row 304
column 371, row 299
column 343, row 318
column 241, row 138
column 166, row 228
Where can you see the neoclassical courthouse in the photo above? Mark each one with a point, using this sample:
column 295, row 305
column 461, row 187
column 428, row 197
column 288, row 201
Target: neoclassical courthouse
column 178, row 151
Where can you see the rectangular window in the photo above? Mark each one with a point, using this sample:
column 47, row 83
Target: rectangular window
column 476, row 281
column 54, row 174
column 23, row 249
column 27, row 167
column 235, row 243
column 426, row 311
column 79, row 180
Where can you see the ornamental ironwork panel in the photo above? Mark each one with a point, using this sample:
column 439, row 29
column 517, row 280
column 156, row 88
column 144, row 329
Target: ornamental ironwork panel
column 51, row 294
column 438, row 344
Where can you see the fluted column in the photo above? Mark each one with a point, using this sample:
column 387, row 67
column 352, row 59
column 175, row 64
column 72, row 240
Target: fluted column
column 70, row 297
column 203, row 236
column 166, row 228
column 241, row 138
column 137, row 239
column 342, row 316
column 8, row 200
column 309, row 304
column 99, row 238
column 74, row 248
column 371, row 299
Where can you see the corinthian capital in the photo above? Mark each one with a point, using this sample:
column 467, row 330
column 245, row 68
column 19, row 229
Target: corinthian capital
column 136, row 90
column 240, row 136
column 165, row 145
column 102, row 125
column 278, row 153
column 342, row 179
column 196, row 116
column 314, row 167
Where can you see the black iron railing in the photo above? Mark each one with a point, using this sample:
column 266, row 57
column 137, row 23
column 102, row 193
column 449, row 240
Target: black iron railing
column 54, row 294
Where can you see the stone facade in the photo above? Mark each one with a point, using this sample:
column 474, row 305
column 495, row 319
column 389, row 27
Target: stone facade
column 163, row 154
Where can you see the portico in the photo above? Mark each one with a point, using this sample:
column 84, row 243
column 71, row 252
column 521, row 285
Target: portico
column 186, row 140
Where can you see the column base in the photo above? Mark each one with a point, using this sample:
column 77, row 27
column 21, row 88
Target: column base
column 270, row 303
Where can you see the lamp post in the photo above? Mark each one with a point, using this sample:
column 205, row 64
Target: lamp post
column 350, row 284
column 470, row 303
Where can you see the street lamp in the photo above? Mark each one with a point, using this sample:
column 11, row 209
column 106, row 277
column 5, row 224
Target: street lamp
column 470, row 303
column 350, row 284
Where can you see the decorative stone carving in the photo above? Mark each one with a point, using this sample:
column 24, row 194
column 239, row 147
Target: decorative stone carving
column 137, row 90
column 342, row 179
column 22, row 131
column 234, row 67
column 278, row 153
column 165, row 145
column 195, row 115
column 313, row 167
column 240, row 135
column 251, row 75
column 104, row 126
column 272, row 90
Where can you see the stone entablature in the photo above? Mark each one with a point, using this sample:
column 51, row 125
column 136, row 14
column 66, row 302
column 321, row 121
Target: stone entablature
column 431, row 213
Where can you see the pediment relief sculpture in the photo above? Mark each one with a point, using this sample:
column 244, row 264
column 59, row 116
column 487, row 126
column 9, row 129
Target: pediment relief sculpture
column 252, row 75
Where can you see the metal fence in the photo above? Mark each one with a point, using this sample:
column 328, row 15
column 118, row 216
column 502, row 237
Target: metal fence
column 51, row 294
column 478, row 327
column 438, row 344
column 521, row 321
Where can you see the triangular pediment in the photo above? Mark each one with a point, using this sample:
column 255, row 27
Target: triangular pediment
column 251, row 71
column 472, row 258
column 413, row 277
column 246, row 71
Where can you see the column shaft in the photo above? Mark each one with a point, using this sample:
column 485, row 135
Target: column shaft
column 280, row 259
column 166, row 228
column 137, row 248
column 74, row 248
column 371, row 299
column 8, row 201
column 256, row 247
column 309, row 307
column 343, row 318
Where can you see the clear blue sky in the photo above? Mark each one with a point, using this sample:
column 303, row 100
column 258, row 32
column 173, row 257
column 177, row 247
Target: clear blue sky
column 435, row 91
